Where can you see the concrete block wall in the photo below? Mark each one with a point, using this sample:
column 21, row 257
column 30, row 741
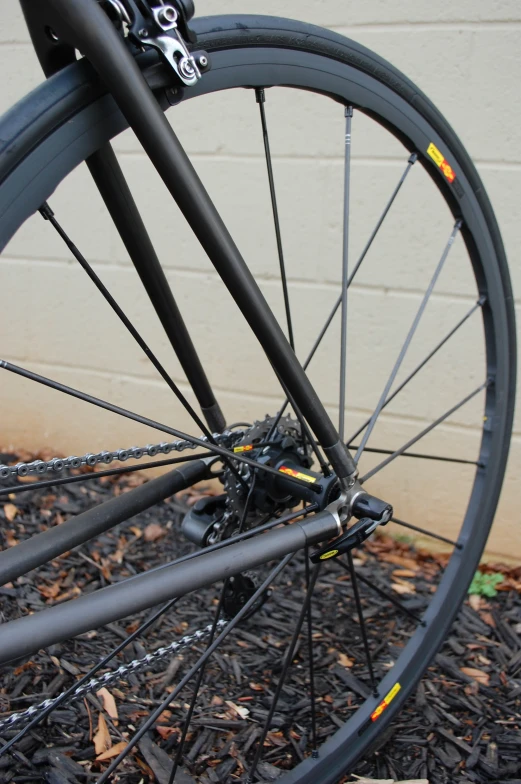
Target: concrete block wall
column 465, row 56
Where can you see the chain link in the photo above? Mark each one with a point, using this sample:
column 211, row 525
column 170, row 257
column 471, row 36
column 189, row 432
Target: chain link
column 59, row 464
column 108, row 678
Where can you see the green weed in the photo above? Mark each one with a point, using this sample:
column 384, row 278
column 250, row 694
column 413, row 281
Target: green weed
column 485, row 584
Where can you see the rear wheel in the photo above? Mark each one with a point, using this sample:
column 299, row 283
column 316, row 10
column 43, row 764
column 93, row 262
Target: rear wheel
column 463, row 313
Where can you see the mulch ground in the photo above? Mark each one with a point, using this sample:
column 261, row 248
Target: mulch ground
column 462, row 724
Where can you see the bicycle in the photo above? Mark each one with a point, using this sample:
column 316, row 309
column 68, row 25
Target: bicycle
column 292, row 483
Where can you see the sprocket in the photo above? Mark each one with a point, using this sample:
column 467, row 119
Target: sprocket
column 287, row 436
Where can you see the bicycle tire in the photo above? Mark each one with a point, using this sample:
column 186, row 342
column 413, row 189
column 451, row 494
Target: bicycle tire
column 69, row 117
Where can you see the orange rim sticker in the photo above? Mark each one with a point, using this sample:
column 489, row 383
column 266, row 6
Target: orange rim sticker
column 297, row 474
column 389, row 697
column 440, row 161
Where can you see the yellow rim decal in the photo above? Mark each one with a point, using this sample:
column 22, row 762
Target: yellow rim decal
column 298, row 474
column 246, row 448
column 440, row 161
column 389, row 697
column 329, row 554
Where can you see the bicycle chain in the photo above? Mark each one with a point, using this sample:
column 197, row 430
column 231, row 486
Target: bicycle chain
column 109, row 677
column 58, row 464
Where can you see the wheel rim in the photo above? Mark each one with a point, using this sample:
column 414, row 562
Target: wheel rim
column 486, row 488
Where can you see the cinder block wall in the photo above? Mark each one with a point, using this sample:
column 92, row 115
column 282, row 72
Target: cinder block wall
column 465, row 56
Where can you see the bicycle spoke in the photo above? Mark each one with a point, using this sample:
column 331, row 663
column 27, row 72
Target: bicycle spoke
column 48, row 215
column 314, row 750
column 408, row 339
column 426, row 532
column 213, row 448
column 361, row 621
column 261, row 99
column 345, row 259
column 85, row 678
column 194, row 669
column 389, row 597
column 419, row 455
column 423, row 433
column 186, row 726
column 200, row 675
column 67, row 480
column 422, row 364
column 282, row 677
column 179, row 754
column 412, row 159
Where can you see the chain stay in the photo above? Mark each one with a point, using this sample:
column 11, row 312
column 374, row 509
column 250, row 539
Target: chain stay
column 58, row 464
column 110, row 677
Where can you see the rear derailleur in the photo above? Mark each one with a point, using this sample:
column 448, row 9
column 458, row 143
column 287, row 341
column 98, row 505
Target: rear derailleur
column 261, row 496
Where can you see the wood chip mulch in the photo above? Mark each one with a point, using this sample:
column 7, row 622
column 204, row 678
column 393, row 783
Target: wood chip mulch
column 462, row 724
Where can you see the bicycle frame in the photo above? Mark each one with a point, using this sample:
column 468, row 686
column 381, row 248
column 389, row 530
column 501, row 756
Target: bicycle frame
column 82, row 25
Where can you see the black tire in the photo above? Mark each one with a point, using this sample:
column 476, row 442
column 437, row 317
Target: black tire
column 65, row 120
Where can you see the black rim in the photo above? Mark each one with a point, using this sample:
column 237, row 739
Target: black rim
column 252, row 67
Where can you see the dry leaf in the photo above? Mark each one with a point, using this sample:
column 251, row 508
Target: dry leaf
column 166, row 732
column 275, row 739
column 74, row 591
column 49, row 592
column 23, row 668
column 478, row 675
column 10, row 539
column 153, row 531
column 403, row 588
column 166, row 715
column 399, row 560
column 475, row 601
column 10, row 512
column 488, row 618
column 112, row 752
column 109, row 703
column 404, row 573
column 239, row 710
column 345, row 661
column 102, row 739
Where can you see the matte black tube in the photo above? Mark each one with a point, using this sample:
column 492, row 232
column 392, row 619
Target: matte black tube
column 84, row 24
column 44, row 547
column 112, row 185
column 26, row 635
